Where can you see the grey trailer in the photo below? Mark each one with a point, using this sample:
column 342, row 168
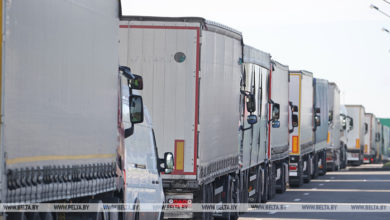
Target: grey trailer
column 66, row 105
column 279, row 125
column 254, row 179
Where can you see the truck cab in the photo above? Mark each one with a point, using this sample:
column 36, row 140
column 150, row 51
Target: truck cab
column 141, row 165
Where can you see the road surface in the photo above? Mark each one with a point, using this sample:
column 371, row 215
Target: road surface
column 364, row 184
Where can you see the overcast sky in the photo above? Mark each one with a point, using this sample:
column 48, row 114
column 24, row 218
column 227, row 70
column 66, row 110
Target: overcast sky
column 338, row 40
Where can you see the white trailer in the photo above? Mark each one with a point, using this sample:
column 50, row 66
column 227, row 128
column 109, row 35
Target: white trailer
column 346, row 126
column 369, row 138
column 321, row 131
column 192, row 71
column 355, row 144
column 301, row 139
column 334, row 149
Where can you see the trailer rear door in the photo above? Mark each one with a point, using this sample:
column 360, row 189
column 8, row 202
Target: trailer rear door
column 168, row 58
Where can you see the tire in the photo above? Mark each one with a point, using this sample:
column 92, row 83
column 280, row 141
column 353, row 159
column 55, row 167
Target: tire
column 264, row 196
column 309, row 166
column 232, row 197
column 315, row 167
column 282, row 188
column 259, row 185
column 272, row 181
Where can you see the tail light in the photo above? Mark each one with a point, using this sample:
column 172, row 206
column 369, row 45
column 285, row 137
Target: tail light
column 292, row 167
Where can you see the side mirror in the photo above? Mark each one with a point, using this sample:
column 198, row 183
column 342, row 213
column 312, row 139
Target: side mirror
column 378, row 137
column 168, row 163
column 295, row 120
column 275, row 112
column 275, row 124
column 351, row 123
column 136, row 82
column 330, row 117
column 136, row 109
column 252, row 119
column 344, row 124
column 365, row 128
column 251, row 103
column 317, row 120
column 294, row 108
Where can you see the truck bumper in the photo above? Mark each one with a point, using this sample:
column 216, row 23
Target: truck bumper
column 179, row 202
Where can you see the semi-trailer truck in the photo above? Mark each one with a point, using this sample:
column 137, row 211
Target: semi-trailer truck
column 334, row 149
column 321, row 129
column 192, row 70
column 255, row 171
column 346, row 126
column 67, row 107
column 301, row 141
column 386, row 144
column 280, row 125
column 369, row 138
column 355, row 144
column 378, row 141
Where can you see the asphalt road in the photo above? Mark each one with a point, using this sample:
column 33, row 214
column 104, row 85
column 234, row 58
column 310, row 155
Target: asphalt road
column 364, row 184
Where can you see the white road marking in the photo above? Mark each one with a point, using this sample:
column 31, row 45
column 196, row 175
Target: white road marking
column 359, row 173
column 341, row 190
column 306, row 194
column 272, row 213
column 321, row 184
column 297, row 200
column 347, row 181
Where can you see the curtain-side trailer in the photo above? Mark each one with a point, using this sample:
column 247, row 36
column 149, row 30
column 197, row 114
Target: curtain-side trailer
column 255, row 170
column 321, row 129
column 63, row 103
column 355, row 144
column 279, row 125
column 302, row 138
column 334, row 149
column 192, row 70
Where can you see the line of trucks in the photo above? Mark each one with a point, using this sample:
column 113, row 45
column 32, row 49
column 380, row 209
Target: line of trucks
column 207, row 120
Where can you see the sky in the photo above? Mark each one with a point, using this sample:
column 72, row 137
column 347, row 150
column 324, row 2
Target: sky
column 338, row 40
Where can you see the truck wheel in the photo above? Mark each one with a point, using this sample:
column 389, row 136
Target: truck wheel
column 309, row 165
column 208, row 198
column 272, row 181
column 299, row 181
column 232, row 198
column 264, row 195
column 282, row 180
column 259, row 185
column 315, row 167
